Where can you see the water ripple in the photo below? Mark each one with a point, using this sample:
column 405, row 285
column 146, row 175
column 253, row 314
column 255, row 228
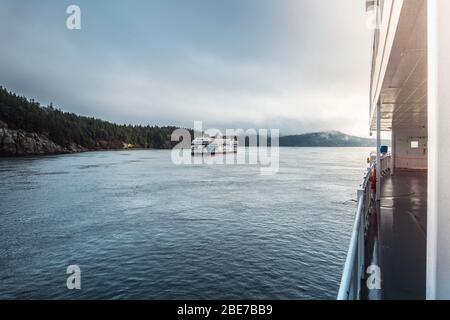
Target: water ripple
column 143, row 228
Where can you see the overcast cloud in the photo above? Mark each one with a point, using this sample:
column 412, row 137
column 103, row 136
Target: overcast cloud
column 296, row 65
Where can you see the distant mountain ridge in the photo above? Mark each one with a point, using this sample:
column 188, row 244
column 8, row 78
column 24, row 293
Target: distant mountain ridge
column 327, row 139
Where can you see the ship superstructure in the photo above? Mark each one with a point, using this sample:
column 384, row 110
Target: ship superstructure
column 400, row 246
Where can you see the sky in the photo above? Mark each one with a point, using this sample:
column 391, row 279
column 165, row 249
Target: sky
column 295, row 65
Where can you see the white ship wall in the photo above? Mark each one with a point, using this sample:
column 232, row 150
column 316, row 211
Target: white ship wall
column 438, row 240
column 406, row 157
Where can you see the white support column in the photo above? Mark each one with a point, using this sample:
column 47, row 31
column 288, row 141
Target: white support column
column 438, row 233
column 393, row 152
column 378, row 195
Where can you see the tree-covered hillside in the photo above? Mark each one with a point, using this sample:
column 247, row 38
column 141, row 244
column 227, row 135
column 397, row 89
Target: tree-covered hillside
column 327, row 139
column 68, row 129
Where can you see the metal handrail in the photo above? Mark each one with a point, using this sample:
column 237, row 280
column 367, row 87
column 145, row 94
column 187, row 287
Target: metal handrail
column 354, row 267
column 345, row 290
column 350, row 283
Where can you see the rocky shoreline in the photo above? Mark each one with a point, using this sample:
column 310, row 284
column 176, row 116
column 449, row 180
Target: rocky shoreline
column 17, row 143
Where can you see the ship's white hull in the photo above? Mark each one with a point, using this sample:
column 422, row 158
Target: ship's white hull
column 219, row 150
column 213, row 146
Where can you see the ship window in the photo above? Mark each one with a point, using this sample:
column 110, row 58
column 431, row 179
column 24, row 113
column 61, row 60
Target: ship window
column 414, row 144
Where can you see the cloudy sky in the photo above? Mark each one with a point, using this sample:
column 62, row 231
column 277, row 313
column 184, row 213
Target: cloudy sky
column 296, row 65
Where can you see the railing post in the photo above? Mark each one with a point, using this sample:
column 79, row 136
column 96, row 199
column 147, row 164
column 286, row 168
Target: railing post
column 361, row 242
column 378, row 191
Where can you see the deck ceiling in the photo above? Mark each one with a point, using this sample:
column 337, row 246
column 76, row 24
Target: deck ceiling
column 404, row 91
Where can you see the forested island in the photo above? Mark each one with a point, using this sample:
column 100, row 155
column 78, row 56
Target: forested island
column 28, row 128
column 328, row 139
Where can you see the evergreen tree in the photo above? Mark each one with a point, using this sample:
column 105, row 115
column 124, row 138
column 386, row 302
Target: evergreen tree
column 68, row 129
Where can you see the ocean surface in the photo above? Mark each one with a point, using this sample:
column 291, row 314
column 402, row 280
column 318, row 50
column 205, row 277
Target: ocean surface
column 141, row 227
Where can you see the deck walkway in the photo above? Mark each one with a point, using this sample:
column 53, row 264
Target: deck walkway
column 399, row 247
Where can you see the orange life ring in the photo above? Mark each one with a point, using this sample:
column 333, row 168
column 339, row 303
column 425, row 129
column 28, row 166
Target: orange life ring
column 373, row 179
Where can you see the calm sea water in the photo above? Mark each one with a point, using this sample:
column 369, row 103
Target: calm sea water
column 140, row 227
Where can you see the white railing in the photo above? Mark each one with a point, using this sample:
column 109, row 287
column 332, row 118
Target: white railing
column 354, row 268
column 386, row 164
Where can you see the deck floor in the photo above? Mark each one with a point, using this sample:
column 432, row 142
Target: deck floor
column 400, row 236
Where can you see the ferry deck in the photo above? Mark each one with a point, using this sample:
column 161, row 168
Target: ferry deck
column 401, row 237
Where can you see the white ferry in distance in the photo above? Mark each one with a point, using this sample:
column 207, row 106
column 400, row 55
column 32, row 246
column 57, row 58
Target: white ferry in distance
column 213, row 146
